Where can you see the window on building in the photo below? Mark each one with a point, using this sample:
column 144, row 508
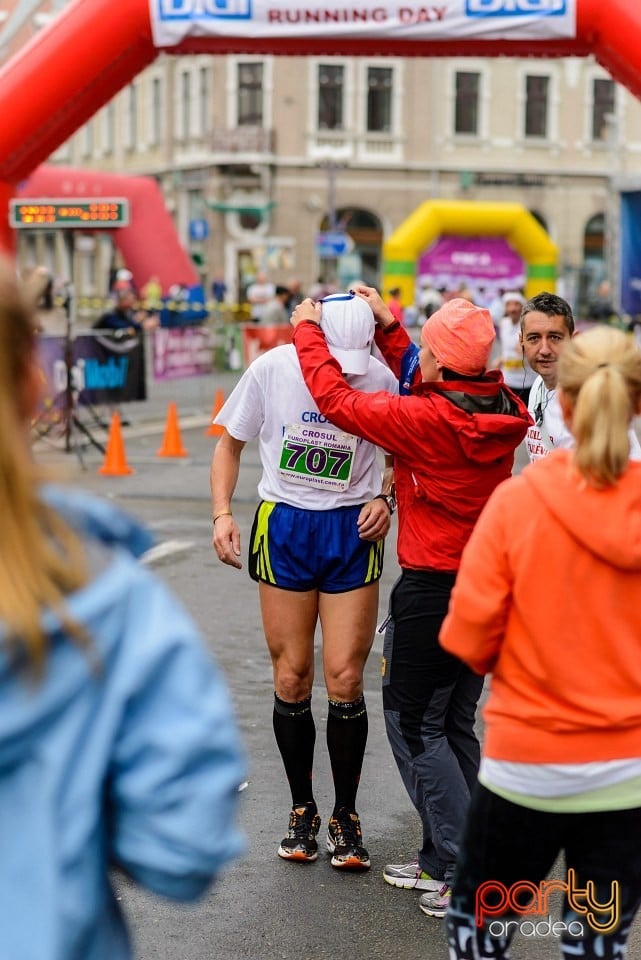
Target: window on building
column 131, row 119
column 594, row 238
column 185, row 105
column 366, row 230
column 87, row 139
column 203, row 101
column 108, row 127
column 593, row 270
column 331, row 95
column 379, row 99
column 250, row 94
column 156, row 111
column 603, row 106
column 466, row 109
column 537, row 89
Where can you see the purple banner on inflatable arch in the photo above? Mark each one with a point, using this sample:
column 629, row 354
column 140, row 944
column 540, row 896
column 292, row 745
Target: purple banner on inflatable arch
column 488, row 262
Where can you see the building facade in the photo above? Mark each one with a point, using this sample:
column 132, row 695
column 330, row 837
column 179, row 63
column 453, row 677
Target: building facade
column 257, row 156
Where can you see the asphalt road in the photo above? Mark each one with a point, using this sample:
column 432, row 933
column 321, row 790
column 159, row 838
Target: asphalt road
column 263, row 908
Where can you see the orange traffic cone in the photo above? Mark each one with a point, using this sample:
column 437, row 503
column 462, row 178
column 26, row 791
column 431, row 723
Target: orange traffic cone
column 172, row 445
column 115, row 464
column 215, row 429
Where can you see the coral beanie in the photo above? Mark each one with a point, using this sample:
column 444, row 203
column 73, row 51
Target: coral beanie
column 460, row 335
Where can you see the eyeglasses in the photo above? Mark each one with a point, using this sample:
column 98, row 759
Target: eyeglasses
column 337, row 297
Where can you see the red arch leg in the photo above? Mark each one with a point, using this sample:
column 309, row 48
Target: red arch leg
column 7, row 234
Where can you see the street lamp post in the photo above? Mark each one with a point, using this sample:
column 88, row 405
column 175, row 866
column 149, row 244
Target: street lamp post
column 332, row 166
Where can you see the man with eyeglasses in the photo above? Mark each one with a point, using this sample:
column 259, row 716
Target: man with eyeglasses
column 316, row 551
column 547, row 325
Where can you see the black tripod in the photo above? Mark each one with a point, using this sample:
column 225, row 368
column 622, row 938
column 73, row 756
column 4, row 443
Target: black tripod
column 66, row 401
column 71, row 420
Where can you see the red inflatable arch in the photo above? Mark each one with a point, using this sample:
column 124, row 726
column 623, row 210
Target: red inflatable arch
column 103, row 44
column 148, row 244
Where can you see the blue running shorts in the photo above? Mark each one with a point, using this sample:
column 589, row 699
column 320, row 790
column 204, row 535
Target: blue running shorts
column 298, row 549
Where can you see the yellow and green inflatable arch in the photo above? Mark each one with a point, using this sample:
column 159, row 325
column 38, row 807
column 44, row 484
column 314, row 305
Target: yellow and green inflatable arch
column 468, row 218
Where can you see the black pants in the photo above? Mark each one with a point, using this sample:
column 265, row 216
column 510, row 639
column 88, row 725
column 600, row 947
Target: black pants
column 509, row 844
column 429, row 699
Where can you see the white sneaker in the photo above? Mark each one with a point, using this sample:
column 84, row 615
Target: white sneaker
column 436, row 904
column 409, row 876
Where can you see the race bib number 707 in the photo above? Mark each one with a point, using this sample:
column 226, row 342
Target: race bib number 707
column 317, row 457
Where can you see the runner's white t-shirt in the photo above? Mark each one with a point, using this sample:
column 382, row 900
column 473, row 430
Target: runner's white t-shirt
column 552, row 433
column 307, row 461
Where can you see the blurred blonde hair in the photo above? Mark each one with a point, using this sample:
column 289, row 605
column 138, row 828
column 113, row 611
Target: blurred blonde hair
column 600, row 372
column 41, row 559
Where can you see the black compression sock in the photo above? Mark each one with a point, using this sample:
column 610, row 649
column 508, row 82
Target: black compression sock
column 296, row 735
column 346, row 740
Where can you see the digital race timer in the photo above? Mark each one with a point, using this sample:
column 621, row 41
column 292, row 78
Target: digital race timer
column 102, row 212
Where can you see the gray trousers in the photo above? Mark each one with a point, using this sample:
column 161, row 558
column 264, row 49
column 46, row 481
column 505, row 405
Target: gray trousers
column 429, row 701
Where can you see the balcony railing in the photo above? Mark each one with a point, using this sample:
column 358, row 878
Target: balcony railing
column 243, row 140
column 343, row 146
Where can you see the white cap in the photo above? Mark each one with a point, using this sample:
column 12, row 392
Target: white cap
column 513, row 295
column 348, row 324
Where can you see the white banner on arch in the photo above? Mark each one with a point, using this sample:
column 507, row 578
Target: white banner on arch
column 175, row 20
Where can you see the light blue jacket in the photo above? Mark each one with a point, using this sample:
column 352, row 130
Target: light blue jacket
column 127, row 754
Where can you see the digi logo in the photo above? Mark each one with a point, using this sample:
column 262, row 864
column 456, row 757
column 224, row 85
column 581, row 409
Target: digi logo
column 181, row 10
column 518, row 8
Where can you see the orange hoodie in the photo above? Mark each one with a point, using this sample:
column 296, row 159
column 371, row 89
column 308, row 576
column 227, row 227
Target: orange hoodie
column 548, row 599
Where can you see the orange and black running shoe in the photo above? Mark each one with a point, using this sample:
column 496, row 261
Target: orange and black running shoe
column 345, row 841
column 300, row 842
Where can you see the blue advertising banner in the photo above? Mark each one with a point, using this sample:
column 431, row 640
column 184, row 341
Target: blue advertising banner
column 631, row 252
column 102, row 370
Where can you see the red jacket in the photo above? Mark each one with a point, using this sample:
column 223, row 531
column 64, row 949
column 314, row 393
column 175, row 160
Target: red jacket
column 452, row 443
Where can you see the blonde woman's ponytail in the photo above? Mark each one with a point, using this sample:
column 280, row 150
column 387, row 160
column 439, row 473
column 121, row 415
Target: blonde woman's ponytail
column 600, row 372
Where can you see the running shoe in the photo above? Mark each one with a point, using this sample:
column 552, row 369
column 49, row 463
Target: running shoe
column 436, row 904
column 300, row 842
column 345, row 841
column 409, row 876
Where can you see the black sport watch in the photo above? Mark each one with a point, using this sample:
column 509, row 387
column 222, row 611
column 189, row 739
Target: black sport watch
column 389, row 499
